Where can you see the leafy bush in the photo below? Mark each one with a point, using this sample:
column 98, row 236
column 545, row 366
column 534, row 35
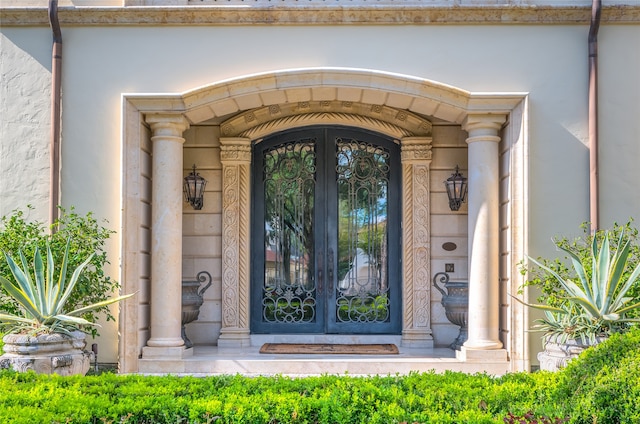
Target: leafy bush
column 603, row 384
column 87, row 237
column 415, row 398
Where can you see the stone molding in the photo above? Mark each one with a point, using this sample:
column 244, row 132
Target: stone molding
column 260, row 122
column 484, row 127
column 167, row 125
column 353, row 13
column 402, row 93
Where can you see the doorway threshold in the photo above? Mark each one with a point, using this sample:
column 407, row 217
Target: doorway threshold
column 248, row 361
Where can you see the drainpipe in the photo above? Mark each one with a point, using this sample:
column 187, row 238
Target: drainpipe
column 56, row 82
column 596, row 9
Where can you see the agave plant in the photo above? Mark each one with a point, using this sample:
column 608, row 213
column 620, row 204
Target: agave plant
column 42, row 296
column 570, row 325
column 597, row 301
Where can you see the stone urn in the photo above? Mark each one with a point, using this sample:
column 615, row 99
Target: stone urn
column 192, row 300
column 54, row 353
column 455, row 299
column 557, row 354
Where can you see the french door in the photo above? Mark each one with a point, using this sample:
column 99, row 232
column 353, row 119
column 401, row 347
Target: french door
column 326, row 246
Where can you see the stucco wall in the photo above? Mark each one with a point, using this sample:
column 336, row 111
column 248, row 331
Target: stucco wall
column 102, row 62
column 25, row 98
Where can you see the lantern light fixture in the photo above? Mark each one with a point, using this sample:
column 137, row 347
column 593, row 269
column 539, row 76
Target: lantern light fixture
column 456, row 186
column 193, row 187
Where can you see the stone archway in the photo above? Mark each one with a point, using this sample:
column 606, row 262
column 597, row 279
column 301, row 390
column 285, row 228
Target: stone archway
column 412, row 132
column 392, row 101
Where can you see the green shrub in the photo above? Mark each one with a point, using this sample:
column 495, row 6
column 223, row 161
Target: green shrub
column 416, row 398
column 87, row 237
column 603, row 384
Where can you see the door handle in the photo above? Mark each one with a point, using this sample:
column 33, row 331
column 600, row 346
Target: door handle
column 330, row 269
column 319, row 265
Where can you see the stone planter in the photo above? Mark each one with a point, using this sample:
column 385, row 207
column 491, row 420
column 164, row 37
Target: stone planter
column 192, row 300
column 456, row 305
column 46, row 354
column 557, row 355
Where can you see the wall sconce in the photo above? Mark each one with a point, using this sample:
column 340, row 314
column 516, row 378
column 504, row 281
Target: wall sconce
column 193, row 187
column 456, row 186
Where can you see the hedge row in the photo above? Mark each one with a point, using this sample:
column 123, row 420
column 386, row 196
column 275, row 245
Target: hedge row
column 603, row 386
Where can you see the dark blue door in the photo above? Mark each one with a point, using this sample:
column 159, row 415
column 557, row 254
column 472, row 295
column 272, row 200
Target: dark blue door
column 326, row 233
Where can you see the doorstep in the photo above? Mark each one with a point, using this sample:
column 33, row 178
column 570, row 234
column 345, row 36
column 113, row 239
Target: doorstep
column 211, row 360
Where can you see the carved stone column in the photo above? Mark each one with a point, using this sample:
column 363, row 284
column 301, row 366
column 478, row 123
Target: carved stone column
column 166, row 236
column 416, row 320
column 484, row 238
column 235, row 155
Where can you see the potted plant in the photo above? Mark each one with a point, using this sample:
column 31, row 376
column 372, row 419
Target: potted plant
column 44, row 334
column 587, row 305
column 88, row 236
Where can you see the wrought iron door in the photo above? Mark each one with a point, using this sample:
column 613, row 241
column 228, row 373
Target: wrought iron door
column 326, row 233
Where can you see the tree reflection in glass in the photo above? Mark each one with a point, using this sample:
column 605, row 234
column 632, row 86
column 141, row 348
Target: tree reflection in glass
column 289, row 186
column 363, row 184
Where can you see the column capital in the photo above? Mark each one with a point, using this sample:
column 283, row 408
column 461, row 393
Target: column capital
column 235, row 150
column 416, row 149
column 486, row 123
column 167, row 124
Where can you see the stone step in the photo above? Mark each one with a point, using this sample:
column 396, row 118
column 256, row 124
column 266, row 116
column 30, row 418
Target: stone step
column 209, row 360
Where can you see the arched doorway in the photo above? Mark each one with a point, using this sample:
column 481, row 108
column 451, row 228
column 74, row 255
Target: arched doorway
column 253, row 107
column 326, row 233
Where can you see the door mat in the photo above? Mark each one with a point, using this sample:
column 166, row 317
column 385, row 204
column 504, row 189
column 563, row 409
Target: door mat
column 328, row 348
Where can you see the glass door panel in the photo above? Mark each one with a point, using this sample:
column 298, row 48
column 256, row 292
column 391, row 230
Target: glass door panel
column 363, row 184
column 289, row 291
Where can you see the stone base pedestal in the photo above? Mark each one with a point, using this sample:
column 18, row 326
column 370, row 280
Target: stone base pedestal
column 165, row 352
column 477, row 355
column 234, row 338
column 417, row 338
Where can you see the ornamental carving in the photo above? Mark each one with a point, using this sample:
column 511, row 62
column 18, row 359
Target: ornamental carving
column 416, row 149
column 236, row 157
column 235, row 153
column 259, row 122
column 417, row 241
column 230, row 246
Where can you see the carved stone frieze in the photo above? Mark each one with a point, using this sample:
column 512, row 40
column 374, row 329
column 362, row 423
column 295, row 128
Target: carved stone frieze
column 259, row 122
column 235, row 154
column 415, row 149
column 235, row 150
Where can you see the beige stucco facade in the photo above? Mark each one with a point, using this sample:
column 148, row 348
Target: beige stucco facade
column 147, row 92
